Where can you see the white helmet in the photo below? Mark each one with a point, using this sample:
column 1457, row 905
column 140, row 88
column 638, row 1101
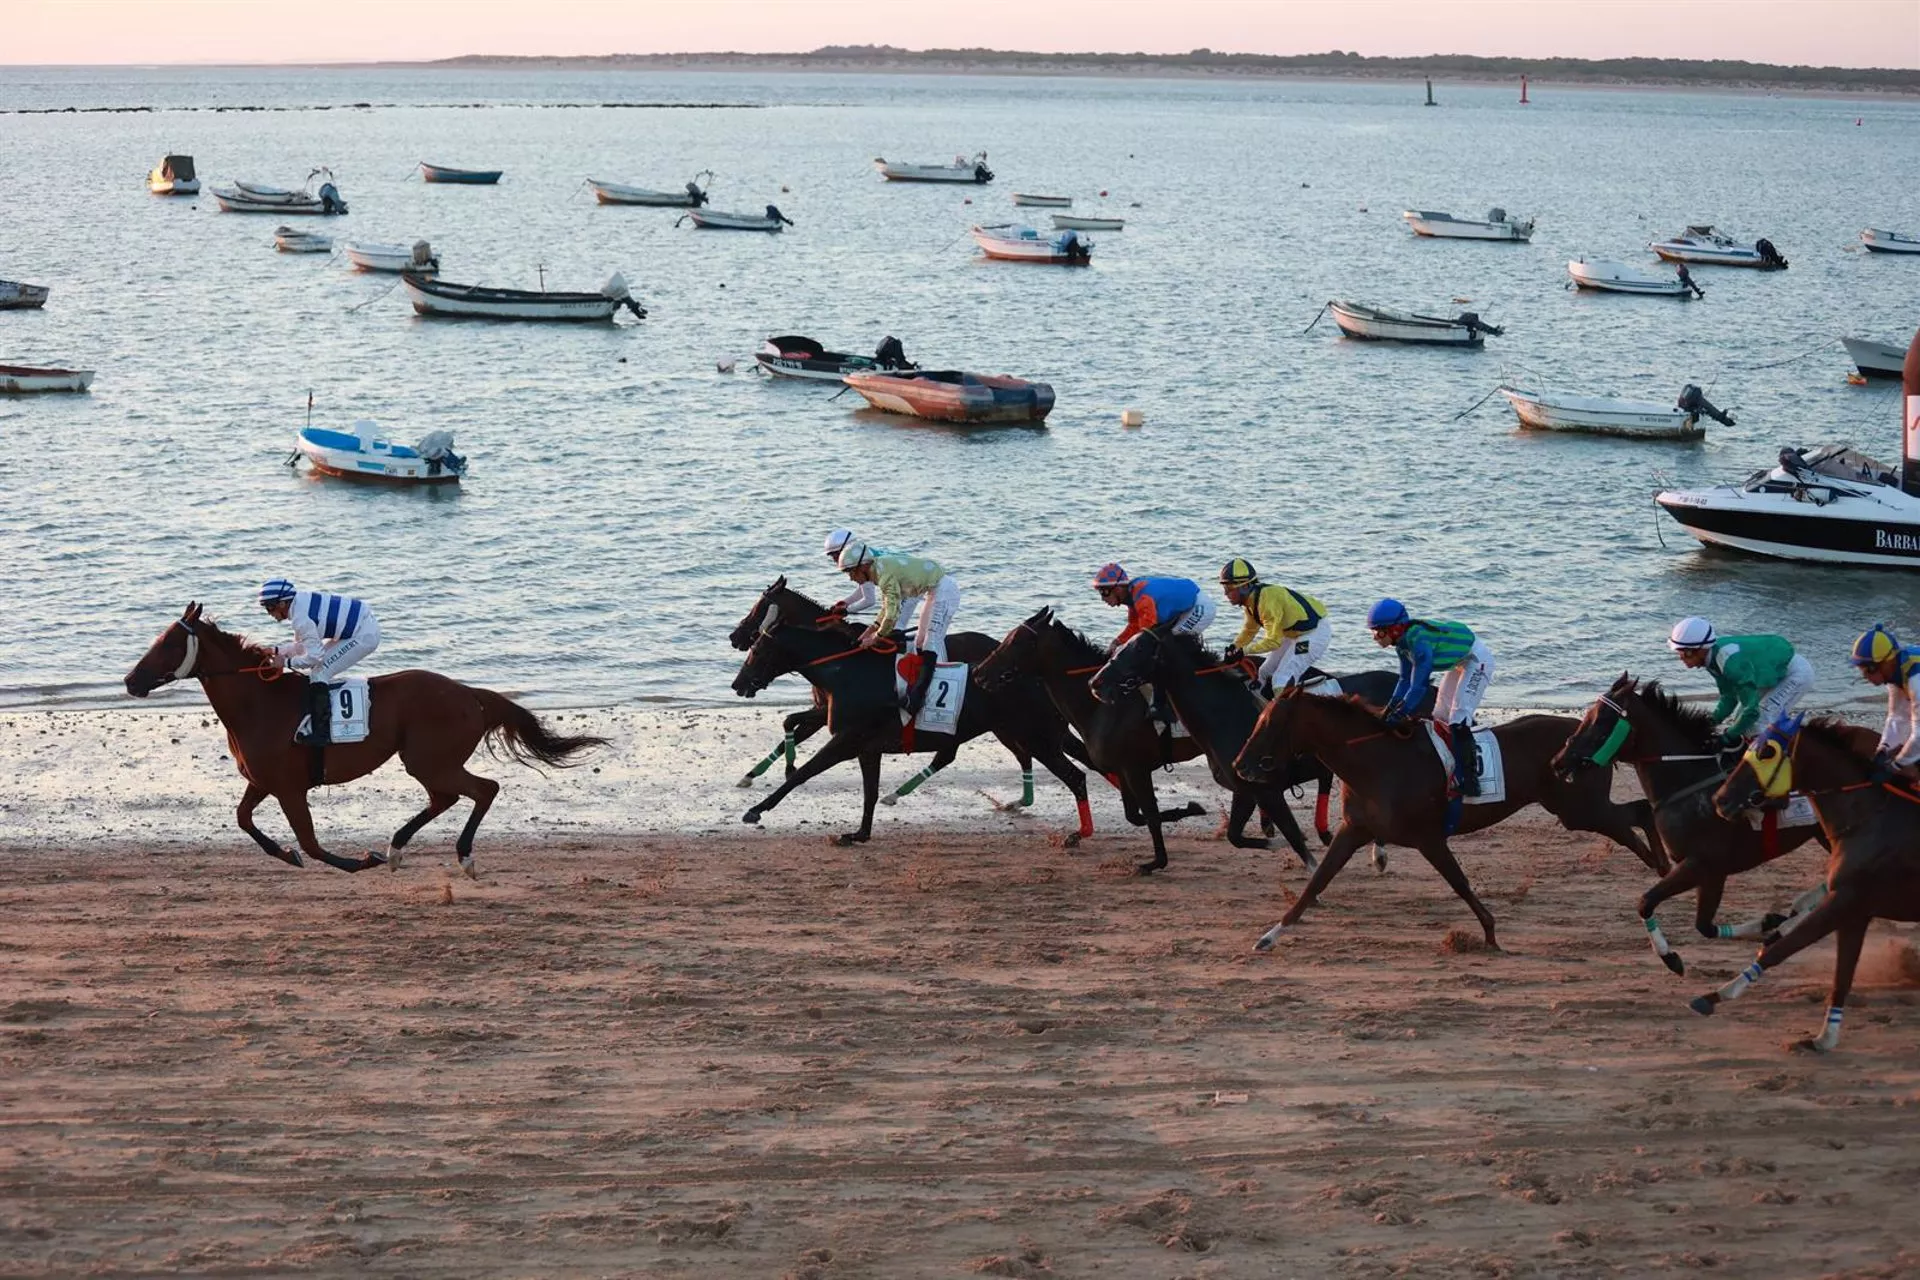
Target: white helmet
column 836, row 540
column 854, row 554
column 1691, row 633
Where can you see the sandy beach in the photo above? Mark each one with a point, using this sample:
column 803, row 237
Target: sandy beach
column 715, row 1051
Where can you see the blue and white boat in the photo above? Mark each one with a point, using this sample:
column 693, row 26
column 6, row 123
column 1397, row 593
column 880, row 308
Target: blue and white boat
column 364, row 454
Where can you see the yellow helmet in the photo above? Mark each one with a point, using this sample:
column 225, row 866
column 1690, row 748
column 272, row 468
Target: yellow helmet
column 1238, row 573
column 1875, row 646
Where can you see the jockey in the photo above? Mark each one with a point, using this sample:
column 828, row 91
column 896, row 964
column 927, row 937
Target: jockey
column 1291, row 628
column 1883, row 660
column 863, row 597
column 900, row 578
column 330, row 634
column 1424, row 648
column 1760, row 677
column 1169, row 606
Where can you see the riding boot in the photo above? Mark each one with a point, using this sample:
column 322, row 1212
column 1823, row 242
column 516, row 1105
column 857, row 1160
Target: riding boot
column 319, row 729
column 917, row 695
column 1160, row 715
column 1466, row 757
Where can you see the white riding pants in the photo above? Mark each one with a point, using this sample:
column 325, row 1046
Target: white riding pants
column 1290, row 661
column 1195, row 621
column 1780, row 699
column 1462, row 688
column 341, row 654
column 936, row 615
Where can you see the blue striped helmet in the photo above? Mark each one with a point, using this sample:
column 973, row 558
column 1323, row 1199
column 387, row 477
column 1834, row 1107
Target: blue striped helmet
column 275, row 590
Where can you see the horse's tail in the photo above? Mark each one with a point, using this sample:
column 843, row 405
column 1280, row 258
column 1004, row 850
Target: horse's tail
column 517, row 731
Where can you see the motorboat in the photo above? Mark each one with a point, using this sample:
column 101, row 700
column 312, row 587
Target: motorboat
column 365, row 454
column 419, row 259
column 1889, row 241
column 1608, row 276
column 961, row 170
column 1702, row 243
column 714, row 220
column 950, row 395
column 1444, row 226
column 1012, row 242
column 460, row 177
column 1357, row 320
column 692, row 197
column 173, row 176
column 1079, row 222
column 1832, row 504
column 478, row 302
column 1596, row 415
column 793, row 356
column 15, row 296
column 252, row 197
column 1042, row 202
column 1875, row 359
column 290, row 240
column 22, row 379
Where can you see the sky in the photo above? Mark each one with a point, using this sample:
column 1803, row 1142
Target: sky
column 1847, row 33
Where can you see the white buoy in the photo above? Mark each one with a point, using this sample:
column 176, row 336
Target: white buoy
column 725, row 366
column 1132, row 418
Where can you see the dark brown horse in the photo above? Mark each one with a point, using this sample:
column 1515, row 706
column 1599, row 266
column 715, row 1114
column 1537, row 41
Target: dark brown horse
column 1675, row 753
column 433, row 723
column 1393, row 789
column 1872, row 827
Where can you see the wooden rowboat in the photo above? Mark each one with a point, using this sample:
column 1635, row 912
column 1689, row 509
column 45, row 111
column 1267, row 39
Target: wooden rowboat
column 476, row 302
column 1357, row 320
column 463, row 177
column 21, row 379
column 15, row 296
column 692, row 197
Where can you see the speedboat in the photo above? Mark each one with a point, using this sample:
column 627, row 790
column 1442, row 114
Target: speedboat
column 1595, row 415
column 1042, row 202
column 1357, row 320
column 1012, row 242
column 950, row 395
column 253, row 197
column 793, row 356
column 692, row 197
column 961, row 170
column 21, row 379
column 1495, row 226
column 1889, row 241
column 1079, row 222
column 420, row 259
column 714, row 220
column 1622, row 277
column 1701, row 243
column 477, row 302
column 462, row 177
column 1875, row 359
column 289, row 240
column 173, row 176
column 15, row 296
column 364, row 454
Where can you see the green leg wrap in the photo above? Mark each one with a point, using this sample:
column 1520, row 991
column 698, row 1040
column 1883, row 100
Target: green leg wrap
column 1026, row 788
column 766, row 764
column 912, row 784
column 788, row 745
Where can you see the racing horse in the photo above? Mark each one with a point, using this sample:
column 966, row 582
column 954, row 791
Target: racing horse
column 1674, row 750
column 432, row 722
column 1393, row 788
column 1872, row 827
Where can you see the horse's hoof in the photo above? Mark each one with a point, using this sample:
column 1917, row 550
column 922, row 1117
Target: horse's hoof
column 1311, row 863
column 394, row 858
column 1673, row 961
column 847, row 839
column 1703, row 1005
column 1266, row 940
column 745, row 781
column 466, row 865
column 751, row 817
column 291, row 857
column 890, row 800
column 1071, row 840
column 1326, row 837
column 1770, row 923
column 1147, row 868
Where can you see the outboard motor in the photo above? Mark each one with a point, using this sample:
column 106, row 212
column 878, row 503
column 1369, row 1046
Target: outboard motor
column 1696, row 405
column 1686, row 278
column 1496, row 214
column 1769, row 256
column 980, row 171
column 1474, row 324
column 330, row 201
column 437, row 448
column 695, row 196
column 778, row 216
column 616, row 287
column 891, row 355
column 423, row 258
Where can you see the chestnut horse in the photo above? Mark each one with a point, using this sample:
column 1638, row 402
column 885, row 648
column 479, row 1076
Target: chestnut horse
column 432, row 722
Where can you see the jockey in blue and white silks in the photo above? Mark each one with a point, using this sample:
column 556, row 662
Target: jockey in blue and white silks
column 330, row 632
column 1883, row 660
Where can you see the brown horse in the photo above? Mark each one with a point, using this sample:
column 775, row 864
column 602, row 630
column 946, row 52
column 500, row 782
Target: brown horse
column 1394, row 790
column 432, row 722
column 1871, row 824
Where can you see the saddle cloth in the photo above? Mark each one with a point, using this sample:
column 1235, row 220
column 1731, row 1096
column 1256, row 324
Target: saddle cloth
column 1493, row 774
column 1798, row 813
column 351, row 706
column 1179, row 727
column 940, row 713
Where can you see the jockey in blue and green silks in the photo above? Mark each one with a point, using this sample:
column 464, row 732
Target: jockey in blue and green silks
column 1883, row 660
column 1424, row 648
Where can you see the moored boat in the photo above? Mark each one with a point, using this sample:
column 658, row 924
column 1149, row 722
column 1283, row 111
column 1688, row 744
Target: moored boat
column 715, row 220
column 1701, row 243
column 290, row 240
column 1012, row 242
column 252, row 197
column 1609, row 276
column 23, row 379
column 363, row 454
column 16, row 296
column 173, row 176
column 1081, row 222
column 1358, row 320
column 1444, row 226
column 477, row 302
column 961, row 170
column 1030, row 200
column 950, row 395
column 1875, row 359
column 1878, row 241
column 461, row 177
column 794, row 356
column 692, row 197
column 1597, row 415
column 419, row 259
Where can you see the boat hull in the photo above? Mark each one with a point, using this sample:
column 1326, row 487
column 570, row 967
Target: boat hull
column 174, row 186
column 1714, row 255
column 240, row 202
column 466, row 302
column 27, row 380
column 1889, row 241
column 459, row 177
column 337, row 454
column 979, row 400
column 1618, row 278
column 1799, row 531
column 1439, row 227
column 708, row 221
column 23, row 297
column 1875, row 359
column 1376, row 327
column 1074, row 222
column 1637, row 420
column 389, row 258
column 1031, row 248
column 615, row 193
column 1042, row 202
column 974, row 174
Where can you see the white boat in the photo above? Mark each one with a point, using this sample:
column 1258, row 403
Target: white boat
column 1889, row 241
column 692, row 197
column 21, row 379
column 1701, row 243
column 1357, row 320
column 714, row 220
column 1012, row 242
column 797, row 356
column 288, row 240
column 248, row 197
column 1042, row 202
column 1495, row 226
column 420, row 259
column 961, row 170
column 1875, row 359
column 363, row 454
column 16, row 296
column 1596, row 415
column 1623, row 277
column 477, row 302
column 1077, row 222
column 173, row 176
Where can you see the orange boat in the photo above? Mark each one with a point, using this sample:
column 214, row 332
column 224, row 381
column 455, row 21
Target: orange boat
column 949, row 395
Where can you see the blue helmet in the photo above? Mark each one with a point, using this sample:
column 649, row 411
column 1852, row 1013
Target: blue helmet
column 1387, row 613
column 275, row 590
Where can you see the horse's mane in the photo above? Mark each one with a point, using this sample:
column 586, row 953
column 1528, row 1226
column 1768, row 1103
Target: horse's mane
column 1697, row 721
column 1832, row 731
column 819, row 610
column 1090, row 646
column 208, row 628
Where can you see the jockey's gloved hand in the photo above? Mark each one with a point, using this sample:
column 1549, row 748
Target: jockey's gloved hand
column 1729, row 740
column 1884, row 766
column 1266, row 689
column 1232, row 654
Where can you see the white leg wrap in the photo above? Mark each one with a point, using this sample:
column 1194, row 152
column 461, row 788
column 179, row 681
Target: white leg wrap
column 1829, row 1037
column 1657, row 938
column 1741, row 981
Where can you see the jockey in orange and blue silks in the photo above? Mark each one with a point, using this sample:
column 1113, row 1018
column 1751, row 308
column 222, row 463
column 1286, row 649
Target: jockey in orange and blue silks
column 1169, row 606
column 1883, row 660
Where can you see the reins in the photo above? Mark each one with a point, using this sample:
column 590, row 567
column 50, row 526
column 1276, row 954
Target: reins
column 878, row 646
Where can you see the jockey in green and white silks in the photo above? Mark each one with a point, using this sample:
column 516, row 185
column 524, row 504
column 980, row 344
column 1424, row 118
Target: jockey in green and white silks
column 899, row 578
column 864, row 596
column 1760, row 677
column 1883, row 660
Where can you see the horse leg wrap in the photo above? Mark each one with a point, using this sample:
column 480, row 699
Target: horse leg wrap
column 1662, row 948
column 766, row 764
column 1320, row 811
column 1086, row 818
column 1829, row 1037
column 1026, row 788
column 912, row 784
column 1808, row 900
column 788, row 744
column 1751, row 929
column 1741, row 981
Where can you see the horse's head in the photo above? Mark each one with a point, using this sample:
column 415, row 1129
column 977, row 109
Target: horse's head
column 1764, row 777
column 1603, row 730
column 766, row 661
column 174, row 655
column 743, row 635
column 1128, row 669
column 1016, row 653
column 1271, row 742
